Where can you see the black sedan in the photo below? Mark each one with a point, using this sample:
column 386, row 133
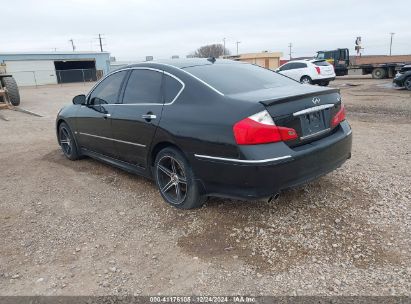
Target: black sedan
column 207, row 127
column 403, row 78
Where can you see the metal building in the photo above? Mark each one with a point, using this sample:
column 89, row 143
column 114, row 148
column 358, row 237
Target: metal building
column 55, row 67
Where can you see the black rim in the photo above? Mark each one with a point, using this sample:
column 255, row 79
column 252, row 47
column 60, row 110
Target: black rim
column 171, row 180
column 66, row 141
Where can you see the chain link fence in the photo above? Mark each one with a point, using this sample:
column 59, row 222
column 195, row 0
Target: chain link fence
column 44, row 77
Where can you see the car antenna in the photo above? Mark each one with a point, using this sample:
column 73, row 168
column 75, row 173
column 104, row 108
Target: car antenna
column 211, row 59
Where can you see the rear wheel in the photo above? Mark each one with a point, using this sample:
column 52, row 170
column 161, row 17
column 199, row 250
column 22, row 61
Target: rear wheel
column 324, row 83
column 175, row 180
column 407, row 83
column 12, row 90
column 305, row 80
column 67, row 142
column 378, row 73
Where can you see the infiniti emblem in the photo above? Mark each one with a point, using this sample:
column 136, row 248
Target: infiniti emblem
column 316, row 100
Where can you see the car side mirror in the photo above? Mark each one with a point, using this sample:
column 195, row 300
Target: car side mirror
column 79, row 99
column 277, row 70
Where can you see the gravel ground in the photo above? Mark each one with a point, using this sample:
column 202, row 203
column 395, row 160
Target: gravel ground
column 84, row 228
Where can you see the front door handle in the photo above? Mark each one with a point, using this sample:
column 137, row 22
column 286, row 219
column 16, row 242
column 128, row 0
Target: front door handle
column 149, row 117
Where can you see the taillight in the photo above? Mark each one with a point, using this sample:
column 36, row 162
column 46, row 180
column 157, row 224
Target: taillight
column 318, row 70
column 339, row 117
column 261, row 129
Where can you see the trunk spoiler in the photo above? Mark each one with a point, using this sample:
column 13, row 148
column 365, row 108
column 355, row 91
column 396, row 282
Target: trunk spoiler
column 282, row 99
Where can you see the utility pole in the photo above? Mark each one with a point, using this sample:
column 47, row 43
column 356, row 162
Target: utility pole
column 223, row 47
column 238, row 42
column 392, row 34
column 101, row 44
column 290, row 45
column 72, row 44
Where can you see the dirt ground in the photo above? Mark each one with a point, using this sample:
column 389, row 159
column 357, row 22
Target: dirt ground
column 85, row 228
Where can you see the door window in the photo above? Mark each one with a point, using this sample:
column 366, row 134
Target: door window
column 108, row 90
column 143, row 86
column 286, row 67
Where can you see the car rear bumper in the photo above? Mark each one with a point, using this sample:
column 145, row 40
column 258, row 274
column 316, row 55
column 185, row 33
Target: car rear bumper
column 318, row 80
column 263, row 179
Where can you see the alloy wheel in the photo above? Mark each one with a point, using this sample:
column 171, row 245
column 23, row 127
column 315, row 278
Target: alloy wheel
column 172, row 180
column 305, row 80
column 407, row 83
column 66, row 141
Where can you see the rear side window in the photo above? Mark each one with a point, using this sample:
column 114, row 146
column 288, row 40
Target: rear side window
column 171, row 88
column 232, row 78
column 107, row 91
column 143, row 86
column 321, row 63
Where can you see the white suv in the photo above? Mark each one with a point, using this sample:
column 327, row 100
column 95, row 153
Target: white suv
column 308, row 71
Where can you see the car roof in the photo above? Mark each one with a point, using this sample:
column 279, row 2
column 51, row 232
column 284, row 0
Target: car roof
column 186, row 62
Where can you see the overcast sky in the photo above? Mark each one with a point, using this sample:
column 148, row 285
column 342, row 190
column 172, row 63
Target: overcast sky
column 135, row 28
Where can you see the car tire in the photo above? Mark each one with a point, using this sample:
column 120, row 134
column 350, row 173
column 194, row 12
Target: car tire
column 306, row 80
column 378, row 73
column 324, row 83
column 12, row 90
column 67, row 142
column 175, row 180
column 407, row 83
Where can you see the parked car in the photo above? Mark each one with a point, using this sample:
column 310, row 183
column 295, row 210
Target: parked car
column 211, row 127
column 309, row 71
column 403, row 77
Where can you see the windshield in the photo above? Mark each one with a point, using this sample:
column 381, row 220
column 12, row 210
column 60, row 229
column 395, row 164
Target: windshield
column 320, row 56
column 233, row 78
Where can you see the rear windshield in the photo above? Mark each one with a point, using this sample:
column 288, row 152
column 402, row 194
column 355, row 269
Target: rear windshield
column 233, row 78
column 321, row 63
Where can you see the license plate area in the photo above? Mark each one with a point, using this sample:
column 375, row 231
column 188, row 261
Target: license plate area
column 313, row 124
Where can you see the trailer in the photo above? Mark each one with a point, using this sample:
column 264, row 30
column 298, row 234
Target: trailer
column 378, row 66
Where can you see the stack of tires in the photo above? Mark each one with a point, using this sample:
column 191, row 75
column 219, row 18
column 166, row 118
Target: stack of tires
column 10, row 84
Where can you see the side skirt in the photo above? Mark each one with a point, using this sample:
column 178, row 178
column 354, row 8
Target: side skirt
column 117, row 163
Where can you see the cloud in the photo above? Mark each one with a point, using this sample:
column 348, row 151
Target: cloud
column 134, row 29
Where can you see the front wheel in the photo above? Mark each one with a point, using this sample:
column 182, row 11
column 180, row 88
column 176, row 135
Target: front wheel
column 305, row 80
column 407, row 83
column 175, row 180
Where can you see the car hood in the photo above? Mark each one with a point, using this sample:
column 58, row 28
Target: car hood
column 282, row 94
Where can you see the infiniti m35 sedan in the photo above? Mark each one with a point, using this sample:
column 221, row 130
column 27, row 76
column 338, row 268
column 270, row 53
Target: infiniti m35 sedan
column 207, row 127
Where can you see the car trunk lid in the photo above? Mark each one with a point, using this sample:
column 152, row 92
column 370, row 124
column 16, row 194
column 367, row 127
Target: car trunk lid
column 306, row 109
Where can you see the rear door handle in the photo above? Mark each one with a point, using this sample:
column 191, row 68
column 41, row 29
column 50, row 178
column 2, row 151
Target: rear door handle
column 149, row 116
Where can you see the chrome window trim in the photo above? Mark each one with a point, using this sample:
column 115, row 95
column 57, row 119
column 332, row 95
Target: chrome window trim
column 314, row 109
column 195, row 77
column 141, row 104
column 108, row 138
column 242, row 161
